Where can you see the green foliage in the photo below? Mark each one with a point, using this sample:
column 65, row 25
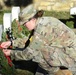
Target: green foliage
column 70, row 24
column 6, row 69
column 19, row 31
column 3, row 37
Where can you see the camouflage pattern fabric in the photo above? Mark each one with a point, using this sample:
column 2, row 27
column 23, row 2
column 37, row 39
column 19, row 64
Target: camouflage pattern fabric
column 26, row 14
column 20, row 42
column 53, row 45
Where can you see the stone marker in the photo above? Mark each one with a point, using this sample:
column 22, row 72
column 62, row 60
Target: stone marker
column 73, row 11
column 7, row 20
column 15, row 12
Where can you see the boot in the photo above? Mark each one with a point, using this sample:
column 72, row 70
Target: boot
column 63, row 72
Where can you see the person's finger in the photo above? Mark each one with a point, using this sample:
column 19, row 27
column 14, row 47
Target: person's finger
column 4, row 45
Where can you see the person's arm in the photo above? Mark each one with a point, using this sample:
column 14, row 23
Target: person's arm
column 19, row 42
column 26, row 54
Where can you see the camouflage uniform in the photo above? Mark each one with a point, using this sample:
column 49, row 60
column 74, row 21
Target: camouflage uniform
column 53, row 45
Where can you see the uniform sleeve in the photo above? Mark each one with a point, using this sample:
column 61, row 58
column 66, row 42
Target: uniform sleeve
column 26, row 54
column 20, row 42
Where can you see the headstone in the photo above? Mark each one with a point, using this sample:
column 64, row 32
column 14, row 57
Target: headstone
column 73, row 11
column 1, row 31
column 15, row 12
column 7, row 20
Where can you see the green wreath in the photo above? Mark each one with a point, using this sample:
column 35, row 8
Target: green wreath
column 17, row 31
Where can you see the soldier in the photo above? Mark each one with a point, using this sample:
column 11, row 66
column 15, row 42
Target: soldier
column 53, row 45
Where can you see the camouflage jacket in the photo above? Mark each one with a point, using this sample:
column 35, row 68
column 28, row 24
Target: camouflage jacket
column 53, row 45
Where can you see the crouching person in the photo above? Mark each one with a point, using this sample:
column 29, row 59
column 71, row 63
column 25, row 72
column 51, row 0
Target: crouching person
column 53, row 45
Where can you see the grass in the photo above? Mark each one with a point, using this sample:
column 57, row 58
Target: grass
column 59, row 15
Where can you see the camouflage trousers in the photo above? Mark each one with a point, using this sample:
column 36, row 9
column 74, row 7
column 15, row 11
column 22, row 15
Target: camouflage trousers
column 74, row 73
column 73, row 69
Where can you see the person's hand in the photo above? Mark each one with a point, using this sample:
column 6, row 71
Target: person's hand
column 6, row 52
column 5, row 44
